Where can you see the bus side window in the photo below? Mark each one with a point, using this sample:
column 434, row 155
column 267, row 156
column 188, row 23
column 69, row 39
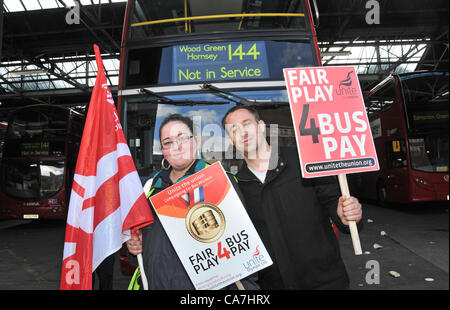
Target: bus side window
column 396, row 153
column 382, row 99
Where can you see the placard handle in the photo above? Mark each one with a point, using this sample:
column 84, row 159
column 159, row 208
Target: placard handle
column 240, row 286
column 352, row 224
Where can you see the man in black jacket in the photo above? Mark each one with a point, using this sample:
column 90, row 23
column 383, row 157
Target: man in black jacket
column 291, row 214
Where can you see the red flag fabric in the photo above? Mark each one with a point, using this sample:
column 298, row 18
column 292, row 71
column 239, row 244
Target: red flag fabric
column 107, row 201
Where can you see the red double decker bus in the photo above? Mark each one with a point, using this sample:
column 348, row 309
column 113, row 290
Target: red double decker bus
column 200, row 58
column 38, row 163
column 408, row 115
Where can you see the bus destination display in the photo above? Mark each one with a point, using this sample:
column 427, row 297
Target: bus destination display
column 35, row 149
column 219, row 61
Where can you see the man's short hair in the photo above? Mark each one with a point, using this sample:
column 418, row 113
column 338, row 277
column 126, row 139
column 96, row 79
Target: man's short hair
column 240, row 107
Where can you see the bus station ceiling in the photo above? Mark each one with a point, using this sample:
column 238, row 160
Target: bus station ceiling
column 46, row 60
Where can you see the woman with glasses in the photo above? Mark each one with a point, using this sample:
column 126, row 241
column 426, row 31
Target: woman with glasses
column 181, row 150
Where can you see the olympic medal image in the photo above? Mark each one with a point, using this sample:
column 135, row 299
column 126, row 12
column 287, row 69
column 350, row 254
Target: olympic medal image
column 205, row 222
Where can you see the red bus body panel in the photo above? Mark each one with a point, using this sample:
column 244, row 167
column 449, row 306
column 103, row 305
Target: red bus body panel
column 53, row 208
column 401, row 184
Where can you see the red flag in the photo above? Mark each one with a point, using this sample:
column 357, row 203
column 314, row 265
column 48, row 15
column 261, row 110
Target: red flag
column 107, row 198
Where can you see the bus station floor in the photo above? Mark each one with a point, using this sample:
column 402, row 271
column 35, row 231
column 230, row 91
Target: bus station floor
column 411, row 241
column 409, row 244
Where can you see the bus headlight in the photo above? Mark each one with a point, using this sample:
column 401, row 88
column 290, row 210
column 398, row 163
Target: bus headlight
column 421, row 181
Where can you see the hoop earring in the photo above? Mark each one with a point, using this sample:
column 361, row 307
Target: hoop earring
column 164, row 167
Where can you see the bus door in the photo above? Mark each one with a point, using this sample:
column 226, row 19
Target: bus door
column 397, row 173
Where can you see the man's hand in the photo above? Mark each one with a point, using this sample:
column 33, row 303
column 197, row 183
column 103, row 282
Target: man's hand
column 134, row 244
column 349, row 209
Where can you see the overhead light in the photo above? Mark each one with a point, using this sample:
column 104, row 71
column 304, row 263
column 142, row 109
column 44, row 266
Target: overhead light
column 342, row 53
column 28, row 72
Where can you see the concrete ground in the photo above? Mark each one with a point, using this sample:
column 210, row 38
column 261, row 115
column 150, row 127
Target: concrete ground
column 414, row 242
column 415, row 245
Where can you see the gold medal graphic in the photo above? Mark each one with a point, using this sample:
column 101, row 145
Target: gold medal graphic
column 205, row 222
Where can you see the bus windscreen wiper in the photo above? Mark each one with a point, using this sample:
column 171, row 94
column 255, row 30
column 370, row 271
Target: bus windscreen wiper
column 164, row 100
column 242, row 101
column 224, row 94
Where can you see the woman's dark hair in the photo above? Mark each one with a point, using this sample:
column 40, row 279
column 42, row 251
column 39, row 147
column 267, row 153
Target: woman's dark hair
column 177, row 118
column 239, row 107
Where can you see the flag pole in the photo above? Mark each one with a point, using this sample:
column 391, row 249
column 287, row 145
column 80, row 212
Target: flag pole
column 352, row 224
column 141, row 268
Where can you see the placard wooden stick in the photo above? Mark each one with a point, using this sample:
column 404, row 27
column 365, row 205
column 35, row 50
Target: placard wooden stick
column 352, row 224
column 240, row 286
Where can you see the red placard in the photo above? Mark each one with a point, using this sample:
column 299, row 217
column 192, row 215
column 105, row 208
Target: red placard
column 330, row 121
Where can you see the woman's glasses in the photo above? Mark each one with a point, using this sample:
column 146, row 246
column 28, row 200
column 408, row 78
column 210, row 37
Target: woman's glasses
column 180, row 140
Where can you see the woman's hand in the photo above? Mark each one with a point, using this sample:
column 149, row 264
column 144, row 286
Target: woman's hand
column 134, row 244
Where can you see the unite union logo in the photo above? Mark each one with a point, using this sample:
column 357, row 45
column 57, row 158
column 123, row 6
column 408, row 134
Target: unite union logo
column 256, row 261
column 347, row 81
column 346, row 88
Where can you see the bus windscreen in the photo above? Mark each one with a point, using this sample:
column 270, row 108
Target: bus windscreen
column 426, row 104
column 32, row 180
column 174, row 17
column 37, row 132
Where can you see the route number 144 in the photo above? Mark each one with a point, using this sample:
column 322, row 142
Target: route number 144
column 238, row 52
